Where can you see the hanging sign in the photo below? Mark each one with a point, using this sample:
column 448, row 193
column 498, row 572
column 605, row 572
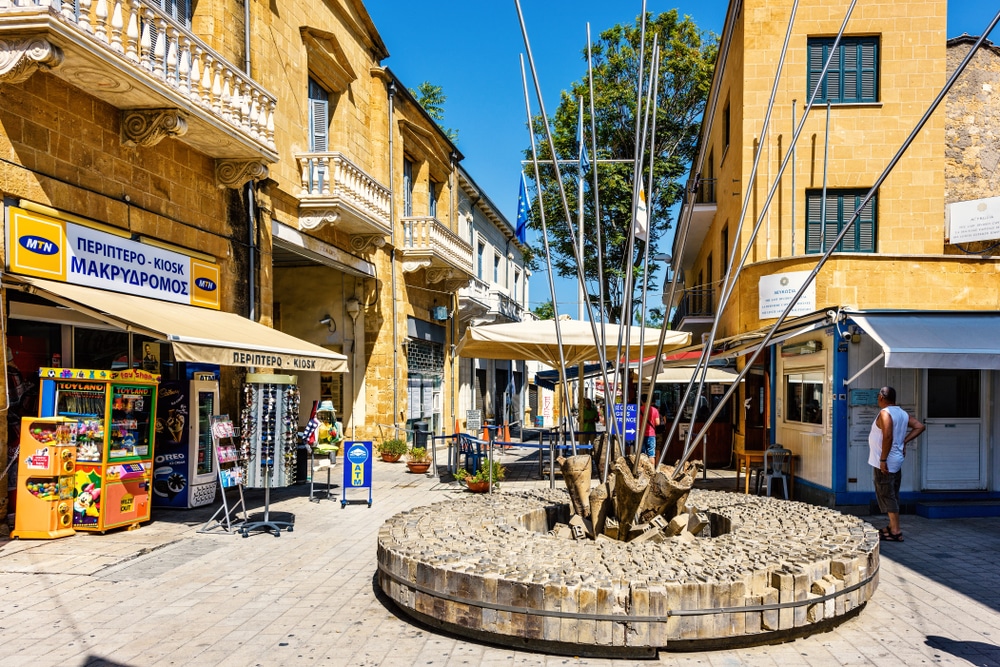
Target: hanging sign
column 47, row 247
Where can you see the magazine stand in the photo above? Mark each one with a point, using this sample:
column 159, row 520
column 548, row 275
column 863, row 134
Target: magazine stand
column 229, row 464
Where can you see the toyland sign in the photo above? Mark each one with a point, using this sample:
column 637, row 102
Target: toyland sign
column 46, row 247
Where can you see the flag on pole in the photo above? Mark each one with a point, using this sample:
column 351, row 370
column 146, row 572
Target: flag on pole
column 584, row 160
column 641, row 227
column 522, row 212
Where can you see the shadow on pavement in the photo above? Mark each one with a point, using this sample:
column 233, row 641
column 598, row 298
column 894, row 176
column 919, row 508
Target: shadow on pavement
column 980, row 654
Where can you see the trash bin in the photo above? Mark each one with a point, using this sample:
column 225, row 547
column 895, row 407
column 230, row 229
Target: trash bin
column 302, row 471
column 420, row 432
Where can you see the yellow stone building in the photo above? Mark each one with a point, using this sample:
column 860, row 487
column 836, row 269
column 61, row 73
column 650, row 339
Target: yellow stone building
column 899, row 301
column 300, row 207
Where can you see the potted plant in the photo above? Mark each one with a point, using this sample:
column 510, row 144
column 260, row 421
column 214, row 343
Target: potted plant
column 392, row 449
column 418, row 460
column 480, row 481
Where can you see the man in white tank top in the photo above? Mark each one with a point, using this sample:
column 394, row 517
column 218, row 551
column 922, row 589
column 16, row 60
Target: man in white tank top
column 893, row 428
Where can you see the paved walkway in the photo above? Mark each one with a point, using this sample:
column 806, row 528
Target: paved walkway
column 167, row 595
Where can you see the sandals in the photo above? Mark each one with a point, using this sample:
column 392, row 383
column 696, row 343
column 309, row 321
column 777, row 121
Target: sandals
column 888, row 536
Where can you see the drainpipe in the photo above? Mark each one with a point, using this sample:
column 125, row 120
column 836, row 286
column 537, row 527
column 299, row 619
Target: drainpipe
column 453, row 219
column 392, row 262
column 252, row 233
column 246, row 36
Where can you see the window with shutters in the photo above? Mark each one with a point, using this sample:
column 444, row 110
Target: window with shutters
column 432, row 193
column 822, row 230
column 319, row 118
column 480, row 258
column 853, row 74
column 407, row 188
column 319, row 131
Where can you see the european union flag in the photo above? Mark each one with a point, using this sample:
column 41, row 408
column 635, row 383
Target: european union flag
column 584, row 160
column 522, row 212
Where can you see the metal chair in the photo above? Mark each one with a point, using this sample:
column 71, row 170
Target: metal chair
column 776, row 460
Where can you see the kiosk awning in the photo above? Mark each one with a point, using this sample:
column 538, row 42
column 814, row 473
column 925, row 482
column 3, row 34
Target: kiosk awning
column 197, row 334
column 935, row 339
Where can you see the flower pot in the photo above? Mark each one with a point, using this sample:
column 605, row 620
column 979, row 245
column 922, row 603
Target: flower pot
column 478, row 487
column 418, row 468
column 391, row 458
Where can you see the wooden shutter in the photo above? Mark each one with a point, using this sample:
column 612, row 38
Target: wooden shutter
column 868, row 70
column 319, row 119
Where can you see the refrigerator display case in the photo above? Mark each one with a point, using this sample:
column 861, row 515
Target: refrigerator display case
column 114, row 462
column 46, row 467
column 185, row 473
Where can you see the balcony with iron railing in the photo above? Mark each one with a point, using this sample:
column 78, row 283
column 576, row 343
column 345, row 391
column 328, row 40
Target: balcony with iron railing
column 699, row 210
column 134, row 56
column 695, row 304
column 333, row 189
column 506, row 307
column 428, row 243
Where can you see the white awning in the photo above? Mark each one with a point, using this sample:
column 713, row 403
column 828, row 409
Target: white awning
column 682, row 375
column 935, row 339
column 197, row 334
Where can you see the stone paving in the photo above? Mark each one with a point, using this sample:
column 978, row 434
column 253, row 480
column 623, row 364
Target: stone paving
column 167, row 595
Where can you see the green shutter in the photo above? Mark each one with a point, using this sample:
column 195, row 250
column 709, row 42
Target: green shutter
column 853, row 73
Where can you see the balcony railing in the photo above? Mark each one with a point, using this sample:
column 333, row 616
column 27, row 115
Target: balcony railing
column 132, row 55
column 331, row 182
column 507, row 307
column 704, row 191
column 429, row 243
column 694, row 303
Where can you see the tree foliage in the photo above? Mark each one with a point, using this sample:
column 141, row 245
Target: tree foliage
column 432, row 99
column 687, row 58
column 545, row 311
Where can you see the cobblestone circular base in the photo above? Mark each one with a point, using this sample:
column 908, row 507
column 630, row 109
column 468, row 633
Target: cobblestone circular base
column 485, row 566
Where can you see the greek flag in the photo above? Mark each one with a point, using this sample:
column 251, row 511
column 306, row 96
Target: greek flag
column 523, row 203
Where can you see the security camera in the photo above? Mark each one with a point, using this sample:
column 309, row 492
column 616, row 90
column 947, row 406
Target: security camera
column 846, row 334
column 832, row 314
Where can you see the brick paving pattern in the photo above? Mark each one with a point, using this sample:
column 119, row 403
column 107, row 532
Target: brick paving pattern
column 167, row 595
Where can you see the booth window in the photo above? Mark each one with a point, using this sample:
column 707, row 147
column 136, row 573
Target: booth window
column 804, row 397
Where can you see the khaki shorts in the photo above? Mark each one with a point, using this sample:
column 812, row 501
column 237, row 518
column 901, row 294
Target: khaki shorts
column 887, row 490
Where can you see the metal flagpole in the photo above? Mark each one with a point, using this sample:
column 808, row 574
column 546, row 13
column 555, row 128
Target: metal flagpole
column 558, row 178
column 548, row 257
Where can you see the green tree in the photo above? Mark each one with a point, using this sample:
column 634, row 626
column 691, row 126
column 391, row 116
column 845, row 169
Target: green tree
column 545, row 311
column 687, row 58
column 432, row 99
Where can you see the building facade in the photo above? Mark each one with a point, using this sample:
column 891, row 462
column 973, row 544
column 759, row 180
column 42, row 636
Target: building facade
column 497, row 294
column 899, row 265
column 271, row 160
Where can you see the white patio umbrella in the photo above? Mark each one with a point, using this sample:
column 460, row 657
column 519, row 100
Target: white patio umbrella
column 536, row 341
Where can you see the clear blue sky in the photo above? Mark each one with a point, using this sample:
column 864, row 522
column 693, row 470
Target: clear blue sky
column 472, row 50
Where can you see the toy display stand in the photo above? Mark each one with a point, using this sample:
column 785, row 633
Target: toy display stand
column 325, row 452
column 229, row 460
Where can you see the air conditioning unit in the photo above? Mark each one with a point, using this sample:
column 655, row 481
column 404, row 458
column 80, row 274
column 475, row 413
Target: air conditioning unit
column 439, row 313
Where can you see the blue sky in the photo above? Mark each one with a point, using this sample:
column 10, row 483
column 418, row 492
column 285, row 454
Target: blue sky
column 472, row 50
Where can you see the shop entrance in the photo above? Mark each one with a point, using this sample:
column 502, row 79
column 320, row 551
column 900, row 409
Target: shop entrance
column 954, row 456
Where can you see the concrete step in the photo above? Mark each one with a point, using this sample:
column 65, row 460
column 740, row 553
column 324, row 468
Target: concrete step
column 958, row 509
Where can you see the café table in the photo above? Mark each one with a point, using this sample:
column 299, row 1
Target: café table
column 749, row 457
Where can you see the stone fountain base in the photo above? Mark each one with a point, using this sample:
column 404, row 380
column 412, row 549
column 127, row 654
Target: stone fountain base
column 764, row 570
